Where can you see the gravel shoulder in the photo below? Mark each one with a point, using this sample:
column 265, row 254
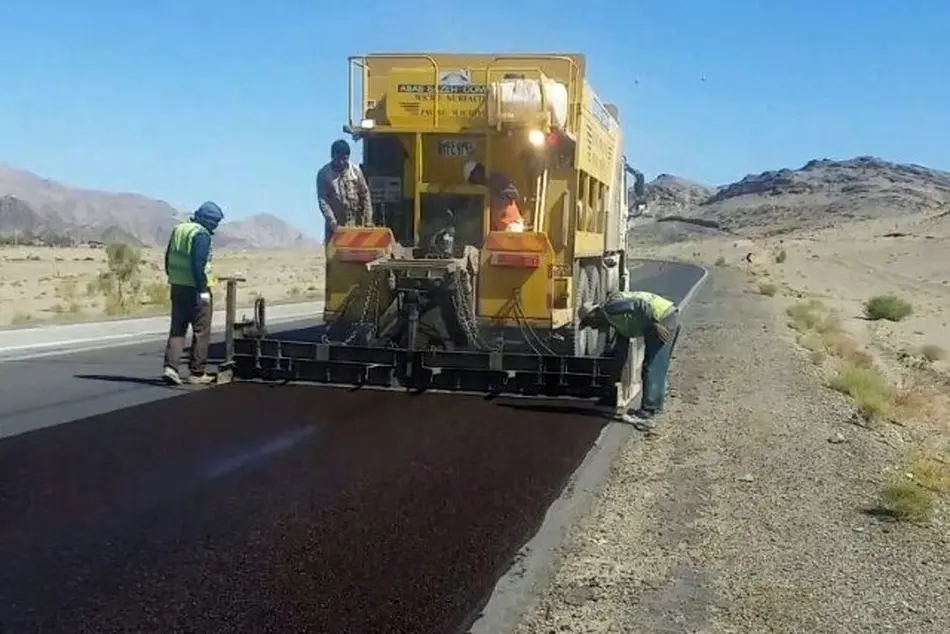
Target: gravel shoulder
column 747, row 510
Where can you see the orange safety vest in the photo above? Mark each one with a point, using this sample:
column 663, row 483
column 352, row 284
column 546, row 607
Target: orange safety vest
column 504, row 213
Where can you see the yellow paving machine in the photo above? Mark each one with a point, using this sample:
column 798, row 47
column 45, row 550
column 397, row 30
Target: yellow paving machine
column 431, row 297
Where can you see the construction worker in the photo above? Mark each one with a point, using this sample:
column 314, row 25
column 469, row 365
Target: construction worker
column 639, row 314
column 188, row 267
column 342, row 192
column 503, row 197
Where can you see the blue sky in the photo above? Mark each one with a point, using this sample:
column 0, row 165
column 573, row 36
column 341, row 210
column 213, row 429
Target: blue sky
column 239, row 101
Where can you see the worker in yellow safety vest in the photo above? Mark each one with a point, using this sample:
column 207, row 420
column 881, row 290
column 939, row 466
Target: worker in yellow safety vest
column 188, row 267
column 639, row 314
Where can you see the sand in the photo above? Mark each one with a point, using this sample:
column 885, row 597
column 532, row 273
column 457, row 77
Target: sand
column 53, row 285
column 844, row 267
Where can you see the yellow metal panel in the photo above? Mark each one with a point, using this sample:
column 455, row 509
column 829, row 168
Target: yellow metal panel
column 588, row 243
column 399, row 89
column 446, row 155
column 341, row 276
column 597, row 138
column 499, row 285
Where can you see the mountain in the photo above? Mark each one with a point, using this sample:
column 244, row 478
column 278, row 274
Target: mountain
column 31, row 204
column 820, row 194
column 263, row 231
column 825, row 192
column 671, row 195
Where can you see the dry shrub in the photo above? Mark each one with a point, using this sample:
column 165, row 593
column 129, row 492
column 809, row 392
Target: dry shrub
column 869, row 388
column 933, row 353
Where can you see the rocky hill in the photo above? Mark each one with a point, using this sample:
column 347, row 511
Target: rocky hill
column 34, row 206
column 668, row 195
column 820, row 194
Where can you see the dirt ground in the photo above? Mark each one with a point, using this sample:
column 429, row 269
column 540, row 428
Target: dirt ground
column 42, row 284
column 763, row 502
column 846, row 266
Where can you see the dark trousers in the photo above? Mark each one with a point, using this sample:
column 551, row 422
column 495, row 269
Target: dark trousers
column 188, row 311
column 656, row 364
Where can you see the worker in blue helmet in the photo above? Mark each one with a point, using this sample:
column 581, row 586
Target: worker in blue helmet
column 188, row 267
column 342, row 192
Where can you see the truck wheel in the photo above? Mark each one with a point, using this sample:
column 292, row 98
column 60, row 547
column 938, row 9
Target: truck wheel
column 587, row 341
column 596, row 339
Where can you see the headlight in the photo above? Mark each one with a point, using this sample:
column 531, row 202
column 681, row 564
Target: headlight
column 536, row 138
column 368, row 124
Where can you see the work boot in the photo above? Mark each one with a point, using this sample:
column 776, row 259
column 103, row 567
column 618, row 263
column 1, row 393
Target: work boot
column 200, row 379
column 641, row 419
column 171, row 376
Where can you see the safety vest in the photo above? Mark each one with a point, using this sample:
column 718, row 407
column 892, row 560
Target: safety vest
column 506, row 216
column 179, row 255
column 633, row 323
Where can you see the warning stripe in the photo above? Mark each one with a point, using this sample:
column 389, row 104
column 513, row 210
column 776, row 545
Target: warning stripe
column 359, row 238
column 506, row 241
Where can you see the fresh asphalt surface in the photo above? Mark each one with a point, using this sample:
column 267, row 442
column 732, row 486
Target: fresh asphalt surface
column 255, row 508
column 36, row 393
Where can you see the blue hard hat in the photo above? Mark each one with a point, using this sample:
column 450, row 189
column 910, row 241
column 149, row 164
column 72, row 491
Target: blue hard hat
column 209, row 215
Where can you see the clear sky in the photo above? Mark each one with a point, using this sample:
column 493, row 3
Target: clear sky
column 238, row 101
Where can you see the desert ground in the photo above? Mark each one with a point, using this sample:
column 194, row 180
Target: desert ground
column 50, row 285
column 845, row 266
column 799, row 480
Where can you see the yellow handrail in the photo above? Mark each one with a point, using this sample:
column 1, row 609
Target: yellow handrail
column 361, row 61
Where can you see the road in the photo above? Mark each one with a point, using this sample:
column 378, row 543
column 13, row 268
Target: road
column 269, row 508
column 55, row 389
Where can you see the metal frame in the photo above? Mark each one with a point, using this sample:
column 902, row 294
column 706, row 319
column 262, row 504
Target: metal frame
column 251, row 354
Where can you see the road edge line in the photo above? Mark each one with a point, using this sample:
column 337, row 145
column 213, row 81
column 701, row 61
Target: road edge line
column 115, row 341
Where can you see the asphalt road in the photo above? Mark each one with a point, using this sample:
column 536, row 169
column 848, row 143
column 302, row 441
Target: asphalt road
column 37, row 393
column 270, row 508
column 263, row 508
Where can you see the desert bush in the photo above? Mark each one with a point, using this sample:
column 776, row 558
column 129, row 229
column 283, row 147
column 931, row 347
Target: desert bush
column 906, row 500
column 768, row 288
column 806, row 315
column 870, row 390
column 781, row 256
column 120, row 283
column 930, row 472
column 933, row 353
column 721, row 260
column 19, row 318
column 889, row 307
column 158, row 294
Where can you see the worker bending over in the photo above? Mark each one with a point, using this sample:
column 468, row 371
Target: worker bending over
column 188, row 267
column 639, row 314
column 342, row 192
column 502, row 194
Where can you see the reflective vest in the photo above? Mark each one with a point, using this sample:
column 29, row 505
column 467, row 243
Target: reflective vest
column 179, row 255
column 506, row 216
column 644, row 307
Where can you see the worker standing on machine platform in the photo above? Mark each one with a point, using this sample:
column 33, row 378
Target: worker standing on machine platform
column 640, row 314
column 188, row 267
column 342, row 192
column 503, row 197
